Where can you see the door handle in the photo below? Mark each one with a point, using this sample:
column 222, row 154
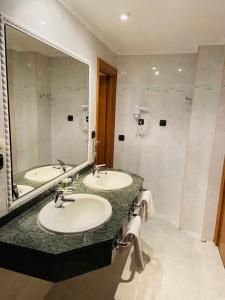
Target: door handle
column 95, row 143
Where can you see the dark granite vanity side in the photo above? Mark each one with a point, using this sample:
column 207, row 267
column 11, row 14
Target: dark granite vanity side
column 25, row 247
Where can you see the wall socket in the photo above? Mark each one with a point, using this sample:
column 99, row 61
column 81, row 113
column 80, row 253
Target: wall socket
column 162, row 123
column 121, row 137
column 70, row 118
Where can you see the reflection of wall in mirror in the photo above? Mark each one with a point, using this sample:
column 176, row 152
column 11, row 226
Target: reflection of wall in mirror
column 29, row 117
column 39, row 108
column 69, row 89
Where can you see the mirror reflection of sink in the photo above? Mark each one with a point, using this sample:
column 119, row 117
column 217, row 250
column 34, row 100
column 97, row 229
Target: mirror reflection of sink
column 44, row 174
column 85, row 213
column 112, row 180
column 24, row 189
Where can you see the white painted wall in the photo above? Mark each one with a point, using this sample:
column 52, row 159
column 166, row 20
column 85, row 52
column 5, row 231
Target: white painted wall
column 201, row 136
column 63, row 28
column 160, row 156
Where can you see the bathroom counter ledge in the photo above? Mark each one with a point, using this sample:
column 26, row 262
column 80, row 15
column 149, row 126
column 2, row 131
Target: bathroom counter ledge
column 25, row 247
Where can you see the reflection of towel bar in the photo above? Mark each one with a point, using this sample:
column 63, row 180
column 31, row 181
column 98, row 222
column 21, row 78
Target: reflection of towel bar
column 125, row 243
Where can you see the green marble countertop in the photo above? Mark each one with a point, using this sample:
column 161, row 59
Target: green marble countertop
column 24, row 230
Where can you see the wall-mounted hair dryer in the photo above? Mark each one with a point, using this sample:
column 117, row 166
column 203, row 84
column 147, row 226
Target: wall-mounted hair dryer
column 138, row 110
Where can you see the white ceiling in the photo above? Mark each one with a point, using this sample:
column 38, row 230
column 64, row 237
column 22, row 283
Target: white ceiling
column 155, row 26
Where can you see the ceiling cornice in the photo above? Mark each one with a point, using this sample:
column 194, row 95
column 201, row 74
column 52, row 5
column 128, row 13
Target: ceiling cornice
column 150, row 52
column 89, row 25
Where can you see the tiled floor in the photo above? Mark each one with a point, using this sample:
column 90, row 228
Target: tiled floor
column 181, row 268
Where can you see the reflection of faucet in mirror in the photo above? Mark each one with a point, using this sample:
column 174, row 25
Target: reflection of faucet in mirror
column 15, row 191
column 60, row 199
column 62, row 164
column 97, row 170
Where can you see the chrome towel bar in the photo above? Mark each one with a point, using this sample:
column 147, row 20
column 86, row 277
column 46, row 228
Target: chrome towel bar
column 125, row 243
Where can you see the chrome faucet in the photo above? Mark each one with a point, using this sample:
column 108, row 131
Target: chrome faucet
column 97, row 170
column 15, row 191
column 62, row 164
column 60, row 199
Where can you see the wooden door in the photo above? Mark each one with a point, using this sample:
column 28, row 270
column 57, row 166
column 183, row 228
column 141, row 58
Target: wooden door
column 105, row 117
column 102, row 110
column 220, row 225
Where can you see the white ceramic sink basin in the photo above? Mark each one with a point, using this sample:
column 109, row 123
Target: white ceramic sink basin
column 44, row 174
column 24, row 189
column 111, row 181
column 86, row 213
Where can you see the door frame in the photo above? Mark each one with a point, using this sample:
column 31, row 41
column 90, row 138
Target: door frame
column 111, row 72
column 221, row 208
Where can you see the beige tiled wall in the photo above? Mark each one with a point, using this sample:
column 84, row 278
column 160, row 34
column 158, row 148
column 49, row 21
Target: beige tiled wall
column 69, row 91
column 215, row 170
column 160, row 155
column 201, row 136
column 29, row 114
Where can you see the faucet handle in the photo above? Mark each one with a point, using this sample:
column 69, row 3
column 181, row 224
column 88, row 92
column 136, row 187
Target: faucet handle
column 59, row 192
column 66, row 191
column 58, row 195
column 61, row 162
column 97, row 168
column 100, row 166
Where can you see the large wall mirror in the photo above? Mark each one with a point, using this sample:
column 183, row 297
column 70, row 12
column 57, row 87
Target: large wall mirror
column 48, row 98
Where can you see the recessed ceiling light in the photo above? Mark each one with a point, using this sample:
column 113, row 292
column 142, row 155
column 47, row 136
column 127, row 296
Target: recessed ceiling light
column 124, row 17
column 156, row 73
column 43, row 22
column 153, row 68
column 179, row 70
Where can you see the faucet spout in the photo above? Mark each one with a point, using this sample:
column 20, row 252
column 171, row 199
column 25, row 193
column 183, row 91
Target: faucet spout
column 62, row 165
column 98, row 168
column 60, row 199
column 15, row 191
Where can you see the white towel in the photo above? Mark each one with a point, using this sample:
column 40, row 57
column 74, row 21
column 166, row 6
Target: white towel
column 134, row 229
column 146, row 202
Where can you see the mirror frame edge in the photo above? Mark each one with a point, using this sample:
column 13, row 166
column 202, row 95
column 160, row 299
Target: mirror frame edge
column 10, row 204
